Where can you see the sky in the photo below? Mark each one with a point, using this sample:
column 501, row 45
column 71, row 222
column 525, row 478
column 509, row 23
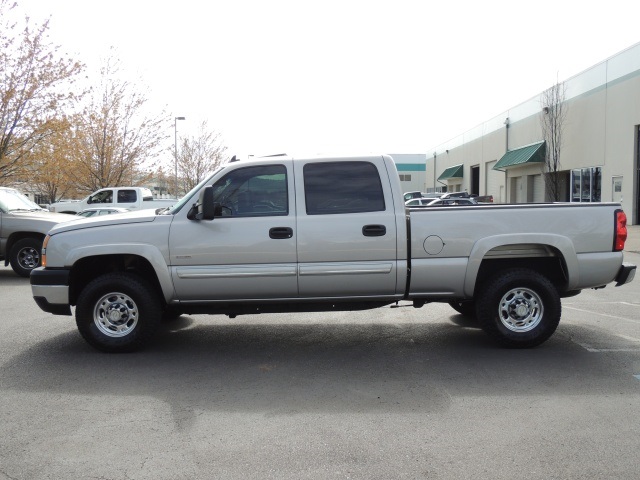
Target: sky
column 340, row 77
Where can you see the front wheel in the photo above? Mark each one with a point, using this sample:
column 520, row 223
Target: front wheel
column 25, row 256
column 118, row 312
column 520, row 308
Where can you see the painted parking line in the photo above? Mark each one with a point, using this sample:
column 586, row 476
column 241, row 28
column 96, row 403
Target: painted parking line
column 602, row 314
column 592, row 349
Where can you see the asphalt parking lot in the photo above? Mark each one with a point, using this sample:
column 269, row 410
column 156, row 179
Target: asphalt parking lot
column 389, row 393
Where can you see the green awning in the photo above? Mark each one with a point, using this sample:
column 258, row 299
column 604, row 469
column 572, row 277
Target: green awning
column 533, row 153
column 452, row 172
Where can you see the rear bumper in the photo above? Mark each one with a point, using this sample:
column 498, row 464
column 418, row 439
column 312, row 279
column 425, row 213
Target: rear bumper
column 626, row 273
column 50, row 289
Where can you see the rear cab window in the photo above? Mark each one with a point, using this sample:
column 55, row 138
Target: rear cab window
column 127, row 196
column 342, row 188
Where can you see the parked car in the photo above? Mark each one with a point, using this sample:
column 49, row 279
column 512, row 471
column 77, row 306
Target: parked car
column 419, row 202
column 97, row 211
column 131, row 198
column 23, row 225
column 433, row 195
column 335, row 236
column 444, row 200
column 483, row 198
column 410, row 195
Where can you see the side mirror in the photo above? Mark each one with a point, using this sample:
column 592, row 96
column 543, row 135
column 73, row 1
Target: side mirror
column 205, row 209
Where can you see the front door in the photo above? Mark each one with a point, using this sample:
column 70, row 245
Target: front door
column 247, row 253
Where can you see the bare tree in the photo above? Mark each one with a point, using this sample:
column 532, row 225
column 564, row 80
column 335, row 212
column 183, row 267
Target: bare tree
column 552, row 120
column 35, row 85
column 117, row 142
column 199, row 156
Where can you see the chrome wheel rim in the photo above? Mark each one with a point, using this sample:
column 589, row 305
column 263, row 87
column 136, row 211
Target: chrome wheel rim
column 115, row 314
column 521, row 310
column 29, row 258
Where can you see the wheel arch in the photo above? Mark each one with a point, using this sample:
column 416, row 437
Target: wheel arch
column 552, row 255
column 16, row 237
column 89, row 267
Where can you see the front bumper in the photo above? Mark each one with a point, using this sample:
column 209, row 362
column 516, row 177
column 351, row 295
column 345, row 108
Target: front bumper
column 626, row 273
column 50, row 289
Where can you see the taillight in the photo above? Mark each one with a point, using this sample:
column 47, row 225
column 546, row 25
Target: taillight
column 43, row 256
column 621, row 231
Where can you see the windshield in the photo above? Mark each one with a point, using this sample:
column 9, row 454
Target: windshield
column 14, row 201
column 178, row 206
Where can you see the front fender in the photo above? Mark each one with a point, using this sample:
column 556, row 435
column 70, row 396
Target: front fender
column 559, row 242
column 149, row 252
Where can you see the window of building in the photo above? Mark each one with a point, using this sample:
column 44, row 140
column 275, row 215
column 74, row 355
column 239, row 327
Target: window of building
column 342, row 187
column 586, row 184
column 405, row 177
column 253, row 191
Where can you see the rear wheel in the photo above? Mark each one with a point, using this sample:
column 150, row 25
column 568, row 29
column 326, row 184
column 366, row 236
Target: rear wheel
column 25, row 256
column 519, row 308
column 118, row 312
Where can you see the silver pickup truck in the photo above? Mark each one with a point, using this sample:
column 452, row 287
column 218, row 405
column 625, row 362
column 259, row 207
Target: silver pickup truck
column 23, row 225
column 322, row 234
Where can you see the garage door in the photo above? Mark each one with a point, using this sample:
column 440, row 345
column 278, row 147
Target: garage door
column 538, row 189
column 520, row 192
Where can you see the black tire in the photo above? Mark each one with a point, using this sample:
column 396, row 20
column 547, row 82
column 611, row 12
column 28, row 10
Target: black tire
column 467, row 308
column 25, row 255
column 118, row 312
column 519, row 308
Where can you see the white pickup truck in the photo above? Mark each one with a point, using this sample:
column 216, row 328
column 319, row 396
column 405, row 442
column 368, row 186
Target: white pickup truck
column 324, row 234
column 131, row 198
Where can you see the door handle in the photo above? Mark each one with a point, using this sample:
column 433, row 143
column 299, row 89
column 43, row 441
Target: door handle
column 278, row 233
column 374, row 230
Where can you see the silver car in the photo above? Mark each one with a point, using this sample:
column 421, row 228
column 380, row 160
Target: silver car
column 97, row 211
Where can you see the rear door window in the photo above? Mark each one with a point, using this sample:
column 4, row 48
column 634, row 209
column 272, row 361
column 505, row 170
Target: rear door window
column 342, row 187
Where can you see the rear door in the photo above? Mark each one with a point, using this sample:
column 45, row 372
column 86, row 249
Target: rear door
column 346, row 229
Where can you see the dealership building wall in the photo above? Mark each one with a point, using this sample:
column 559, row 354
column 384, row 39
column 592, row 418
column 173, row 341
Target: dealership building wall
column 412, row 170
column 599, row 156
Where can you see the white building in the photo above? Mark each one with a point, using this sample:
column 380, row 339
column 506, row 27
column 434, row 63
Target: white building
column 599, row 157
column 412, row 170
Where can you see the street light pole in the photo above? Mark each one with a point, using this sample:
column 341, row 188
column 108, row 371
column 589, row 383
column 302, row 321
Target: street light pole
column 175, row 152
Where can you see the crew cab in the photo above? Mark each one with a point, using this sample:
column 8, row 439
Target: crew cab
column 280, row 234
column 130, row 198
